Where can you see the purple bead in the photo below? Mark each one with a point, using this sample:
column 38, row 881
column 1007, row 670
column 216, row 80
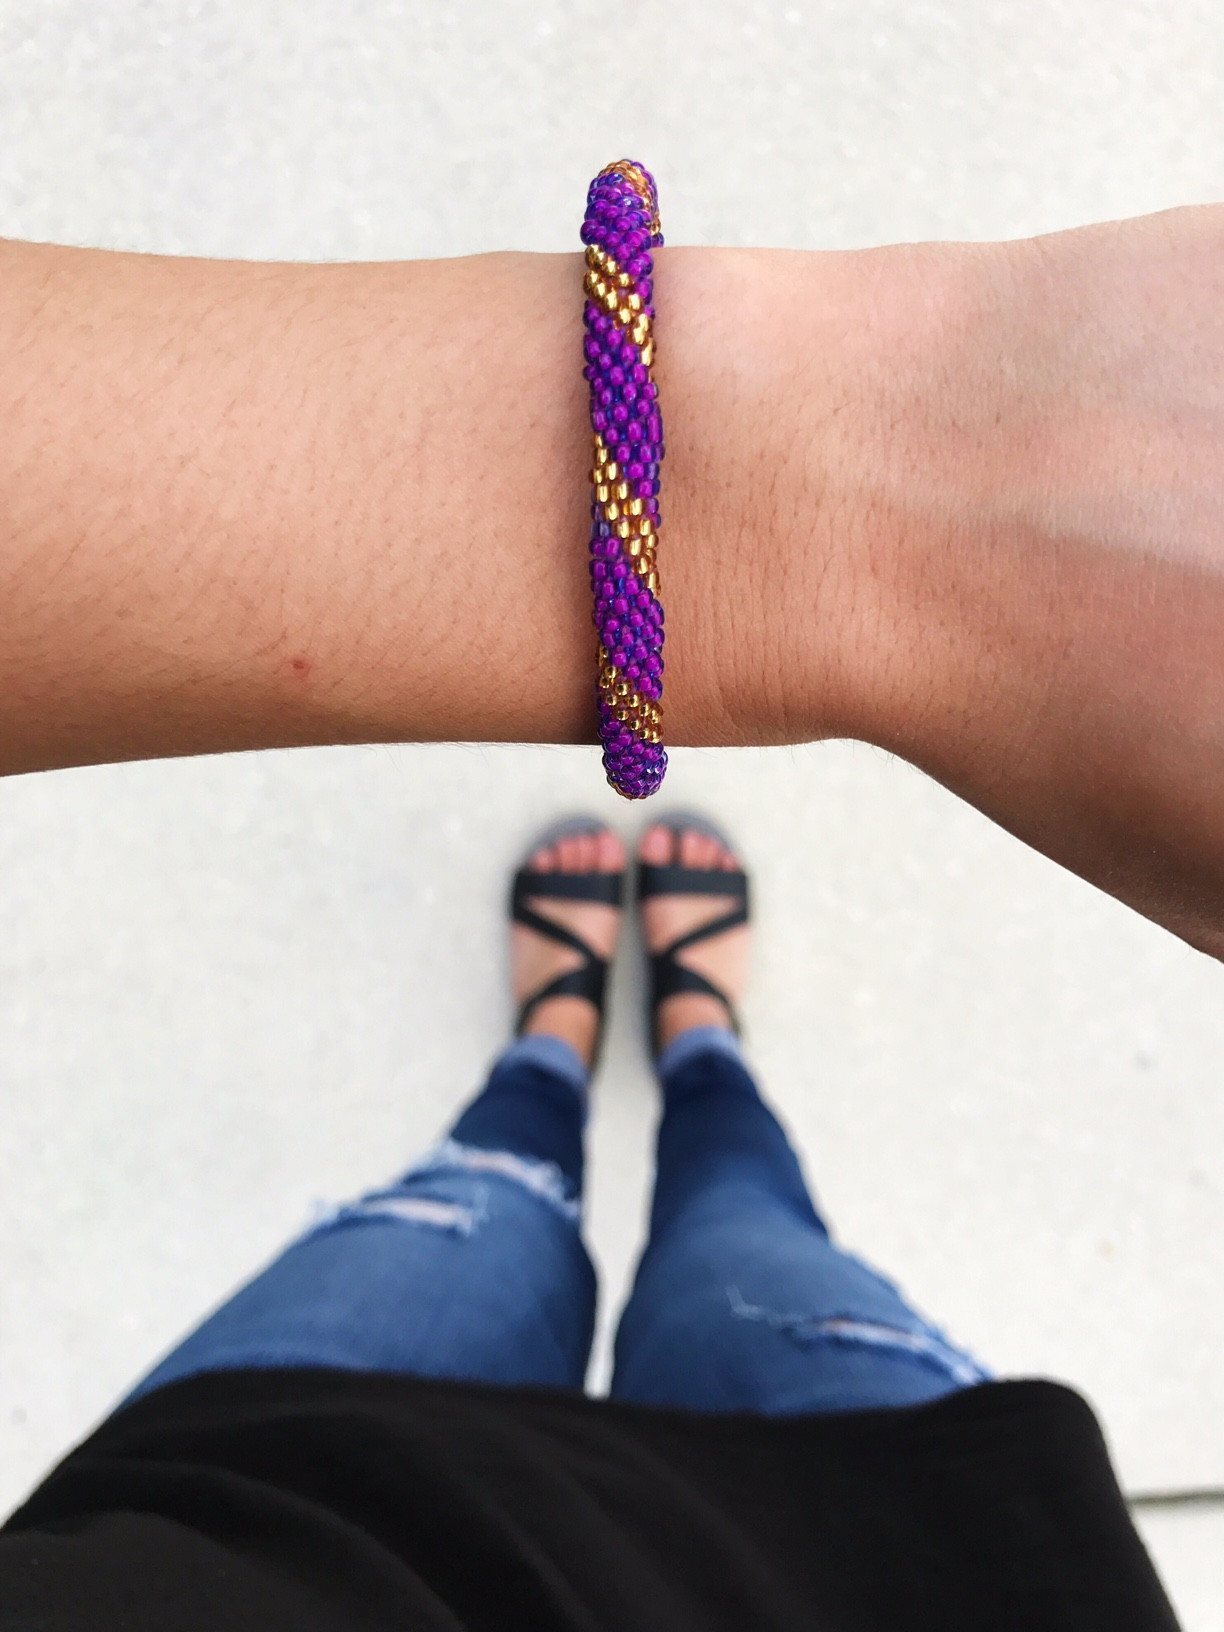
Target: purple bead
column 624, row 412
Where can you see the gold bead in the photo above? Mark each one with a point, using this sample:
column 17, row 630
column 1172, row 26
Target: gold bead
column 601, row 490
column 611, row 509
column 648, row 353
column 634, row 302
column 635, row 546
column 622, row 491
column 623, row 526
column 613, row 471
column 646, row 526
column 634, row 507
column 625, row 280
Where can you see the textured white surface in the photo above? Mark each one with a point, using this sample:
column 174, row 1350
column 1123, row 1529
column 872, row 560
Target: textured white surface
column 232, row 986
column 1188, row 1546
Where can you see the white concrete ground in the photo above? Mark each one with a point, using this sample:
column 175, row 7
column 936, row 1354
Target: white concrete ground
column 230, row 988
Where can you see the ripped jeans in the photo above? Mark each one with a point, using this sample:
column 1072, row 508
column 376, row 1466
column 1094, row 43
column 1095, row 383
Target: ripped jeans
column 472, row 1265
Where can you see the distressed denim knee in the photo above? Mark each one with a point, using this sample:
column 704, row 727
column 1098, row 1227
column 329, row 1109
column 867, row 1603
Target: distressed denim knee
column 471, row 1265
column 454, row 1189
column 908, row 1340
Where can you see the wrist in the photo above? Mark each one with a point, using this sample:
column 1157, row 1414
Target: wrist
column 791, row 536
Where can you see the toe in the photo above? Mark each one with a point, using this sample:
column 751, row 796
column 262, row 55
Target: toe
column 609, row 852
column 692, row 846
column 655, row 846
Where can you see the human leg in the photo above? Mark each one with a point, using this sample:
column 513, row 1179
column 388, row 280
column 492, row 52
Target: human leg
column 742, row 1300
column 471, row 1264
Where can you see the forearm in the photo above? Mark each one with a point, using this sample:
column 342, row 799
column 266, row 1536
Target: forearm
column 964, row 502
column 245, row 506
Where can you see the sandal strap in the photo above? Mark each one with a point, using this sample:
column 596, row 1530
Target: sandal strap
column 607, row 888
column 669, row 878
column 589, row 979
column 669, row 977
column 553, row 931
column 706, row 932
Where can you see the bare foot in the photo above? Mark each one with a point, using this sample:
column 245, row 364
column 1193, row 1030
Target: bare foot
column 665, row 918
column 535, row 961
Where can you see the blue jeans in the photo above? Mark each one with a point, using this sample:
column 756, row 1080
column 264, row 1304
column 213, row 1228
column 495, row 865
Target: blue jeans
column 472, row 1265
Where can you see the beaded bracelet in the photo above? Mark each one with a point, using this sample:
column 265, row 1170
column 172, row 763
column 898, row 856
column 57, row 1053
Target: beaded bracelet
column 620, row 230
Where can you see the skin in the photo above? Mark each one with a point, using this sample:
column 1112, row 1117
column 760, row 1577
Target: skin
column 723, row 959
column 962, row 501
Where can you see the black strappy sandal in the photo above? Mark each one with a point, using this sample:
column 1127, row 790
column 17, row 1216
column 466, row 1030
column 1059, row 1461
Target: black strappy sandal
column 589, row 979
column 668, row 976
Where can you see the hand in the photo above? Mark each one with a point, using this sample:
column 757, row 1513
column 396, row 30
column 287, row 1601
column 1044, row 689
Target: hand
column 1018, row 521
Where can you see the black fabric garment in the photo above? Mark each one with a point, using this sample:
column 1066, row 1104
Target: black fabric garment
column 317, row 1501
